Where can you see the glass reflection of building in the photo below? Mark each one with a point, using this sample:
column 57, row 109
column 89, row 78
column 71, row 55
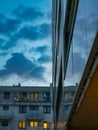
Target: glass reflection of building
column 75, row 25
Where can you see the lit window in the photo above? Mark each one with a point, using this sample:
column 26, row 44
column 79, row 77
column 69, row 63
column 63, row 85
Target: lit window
column 21, row 124
column 45, row 125
column 67, row 95
column 33, row 123
column 34, row 96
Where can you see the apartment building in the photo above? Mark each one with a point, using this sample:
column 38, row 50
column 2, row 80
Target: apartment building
column 69, row 95
column 23, row 107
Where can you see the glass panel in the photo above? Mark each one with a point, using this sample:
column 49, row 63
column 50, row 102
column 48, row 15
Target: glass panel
column 20, row 124
column 86, row 26
column 35, row 124
column 31, row 124
column 24, row 124
column 36, row 96
column 45, row 125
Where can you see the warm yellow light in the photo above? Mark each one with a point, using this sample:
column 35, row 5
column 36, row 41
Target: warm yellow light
column 45, row 125
column 31, row 124
column 65, row 122
column 35, row 124
column 24, row 124
column 20, row 124
column 36, row 95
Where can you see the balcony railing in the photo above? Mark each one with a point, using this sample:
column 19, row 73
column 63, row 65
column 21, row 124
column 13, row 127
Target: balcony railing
column 5, row 128
column 35, row 128
column 18, row 99
column 5, row 115
column 34, row 115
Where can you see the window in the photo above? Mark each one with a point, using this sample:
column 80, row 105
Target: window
column 23, row 95
column 67, row 107
column 21, row 124
column 72, row 94
column 22, row 109
column 33, row 123
column 4, row 123
column 45, row 125
column 46, row 96
column 6, row 95
column 46, row 109
column 33, row 107
column 34, row 96
column 5, row 107
column 67, row 95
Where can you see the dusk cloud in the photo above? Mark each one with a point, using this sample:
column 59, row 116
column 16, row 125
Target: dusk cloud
column 45, row 30
column 21, row 66
column 25, row 42
column 39, row 49
column 27, row 13
column 44, row 59
column 76, row 64
column 8, row 25
column 32, row 33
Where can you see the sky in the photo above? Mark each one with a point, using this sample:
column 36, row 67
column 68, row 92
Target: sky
column 25, row 42
column 86, row 26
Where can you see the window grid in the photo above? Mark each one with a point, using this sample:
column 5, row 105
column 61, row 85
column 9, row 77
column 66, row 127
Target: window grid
column 22, row 109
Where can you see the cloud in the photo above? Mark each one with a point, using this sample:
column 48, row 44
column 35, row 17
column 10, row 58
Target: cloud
column 27, row 13
column 76, row 64
column 3, row 54
column 8, row 25
column 28, row 32
column 19, row 65
column 39, row 49
column 35, row 32
column 44, row 59
column 32, row 33
column 45, row 30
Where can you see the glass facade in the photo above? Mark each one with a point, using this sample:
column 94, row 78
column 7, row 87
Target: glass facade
column 86, row 26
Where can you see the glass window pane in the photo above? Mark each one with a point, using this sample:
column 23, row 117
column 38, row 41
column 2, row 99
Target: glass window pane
column 31, row 123
column 35, row 124
column 45, row 125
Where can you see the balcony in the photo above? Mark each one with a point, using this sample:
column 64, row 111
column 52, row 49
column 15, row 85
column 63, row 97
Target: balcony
column 35, row 128
column 18, row 99
column 5, row 128
column 5, row 115
column 34, row 115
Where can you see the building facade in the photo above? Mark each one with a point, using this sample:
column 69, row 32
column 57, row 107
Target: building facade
column 25, row 108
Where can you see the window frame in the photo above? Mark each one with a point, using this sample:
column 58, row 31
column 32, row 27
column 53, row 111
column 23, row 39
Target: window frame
column 4, row 123
column 46, row 109
column 22, row 109
column 5, row 107
column 6, row 95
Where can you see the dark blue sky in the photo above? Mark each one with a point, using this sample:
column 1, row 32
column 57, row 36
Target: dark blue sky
column 25, row 42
